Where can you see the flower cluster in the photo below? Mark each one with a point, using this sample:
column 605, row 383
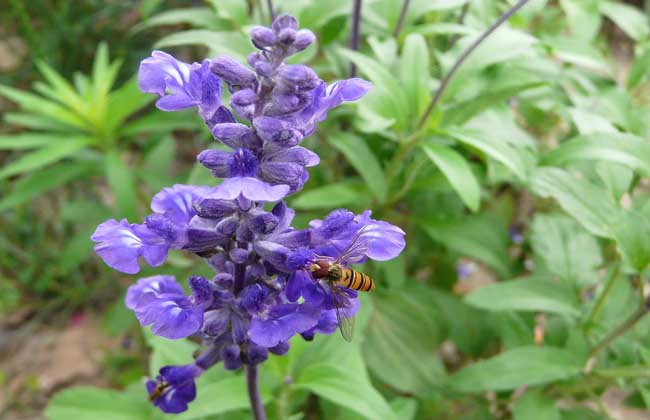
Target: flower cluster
column 263, row 292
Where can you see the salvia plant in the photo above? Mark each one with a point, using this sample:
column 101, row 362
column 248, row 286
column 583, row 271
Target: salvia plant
column 264, row 290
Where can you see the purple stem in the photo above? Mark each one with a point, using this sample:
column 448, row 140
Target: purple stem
column 257, row 406
column 402, row 16
column 445, row 81
column 356, row 27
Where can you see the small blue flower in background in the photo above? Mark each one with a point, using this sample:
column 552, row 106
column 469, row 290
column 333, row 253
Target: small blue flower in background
column 262, row 293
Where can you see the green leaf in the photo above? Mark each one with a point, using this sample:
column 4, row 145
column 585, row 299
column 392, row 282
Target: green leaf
column 161, row 122
column 535, row 406
column 631, row 20
column 632, row 235
column 577, row 197
column 414, row 72
column 616, row 177
column 235, row 44
column 124, row 102
column 457, row 171
column 63, row 91
column 38, row 183
column 329, row 196
column 30, row 140
column 167, row 352
column 44, row 156
column 220, row 397
column 626, row 149
column 563, row 248
column 401, row 339
column 335, row 383
column 157, row 163
column 386, row 98
column 120, row 179
column 481, row 237
column 363, row 160
column 499, row 151
column 195, row 16
column 76, row 250
column 528, row 365
column 36, row 122
column 86, row 403
column 42, row 106
column 530, row 294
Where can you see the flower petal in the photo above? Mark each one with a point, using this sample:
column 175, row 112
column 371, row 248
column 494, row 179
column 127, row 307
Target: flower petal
column 120, row 244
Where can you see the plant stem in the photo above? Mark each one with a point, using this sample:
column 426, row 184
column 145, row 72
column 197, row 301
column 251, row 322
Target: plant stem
column 269, row 4
column 601, row 299
column 617, row 332
column 402, row 16
column 257, row 406
column 445, row 81
column 356, row 28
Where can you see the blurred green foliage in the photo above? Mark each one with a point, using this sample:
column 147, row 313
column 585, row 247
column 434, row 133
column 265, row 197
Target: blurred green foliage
column 529, row 178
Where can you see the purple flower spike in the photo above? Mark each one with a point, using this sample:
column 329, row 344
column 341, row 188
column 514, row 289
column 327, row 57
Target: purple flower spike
column 121, row 243
column 179, row 84
column 263, row 292
column 160, row 302
column 175, row 387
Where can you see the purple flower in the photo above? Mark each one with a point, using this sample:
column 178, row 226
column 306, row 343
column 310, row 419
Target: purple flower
column 373, row 239
column 174, row 387
column 250, row 188
column 324, row 98
column 281, row 323
column 121, row 244
column 160, row 302
column 179, row 84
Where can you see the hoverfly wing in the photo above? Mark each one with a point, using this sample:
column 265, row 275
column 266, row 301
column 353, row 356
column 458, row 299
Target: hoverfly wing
column 358, row 244
column 346, row 324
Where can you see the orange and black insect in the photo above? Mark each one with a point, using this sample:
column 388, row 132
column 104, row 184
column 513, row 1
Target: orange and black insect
column 338, row 276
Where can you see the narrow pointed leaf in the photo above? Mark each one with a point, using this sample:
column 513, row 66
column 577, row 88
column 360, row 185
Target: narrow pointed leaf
column 457, row 171
column 44, row 156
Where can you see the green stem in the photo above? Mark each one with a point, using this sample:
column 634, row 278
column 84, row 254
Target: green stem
column 601, row 299
column 445, row 80
column 621, row 329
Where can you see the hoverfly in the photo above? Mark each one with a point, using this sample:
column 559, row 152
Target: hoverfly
column 339, row 277
column 158, row 391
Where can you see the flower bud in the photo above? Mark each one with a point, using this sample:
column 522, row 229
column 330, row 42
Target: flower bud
column 287, row 36
column 233, row 72
column 214, row 208
column 231, row 357
column 216, row 161
column 284, row 21
column 224, row 280
column 229, row 133
column 215, row 322
column 239, row 255
column 304, row 38
column 281, row 348
column 256, row 354
column 243, row 97
column 298, row 76
column 263, row 37
column 263, row 223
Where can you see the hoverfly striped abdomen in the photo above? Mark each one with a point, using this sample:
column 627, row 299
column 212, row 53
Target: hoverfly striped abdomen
column 356, row 280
